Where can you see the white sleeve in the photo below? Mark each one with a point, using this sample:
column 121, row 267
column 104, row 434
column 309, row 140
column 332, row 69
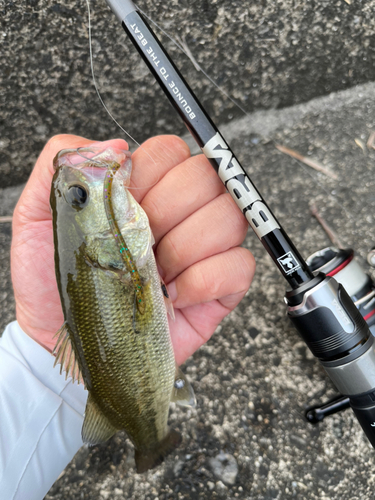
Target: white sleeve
column 41, row 416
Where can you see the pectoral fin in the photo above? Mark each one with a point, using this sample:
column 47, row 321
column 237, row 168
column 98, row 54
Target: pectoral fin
column 182, row 393
column 65, row 355
column 96, row 427
column 167, row 300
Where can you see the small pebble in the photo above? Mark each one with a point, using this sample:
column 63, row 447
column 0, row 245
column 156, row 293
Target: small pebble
column 225, row 468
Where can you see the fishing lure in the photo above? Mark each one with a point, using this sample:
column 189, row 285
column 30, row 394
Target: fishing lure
column 123, row 247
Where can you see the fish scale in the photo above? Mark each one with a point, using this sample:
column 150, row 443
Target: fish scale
column 123, row 365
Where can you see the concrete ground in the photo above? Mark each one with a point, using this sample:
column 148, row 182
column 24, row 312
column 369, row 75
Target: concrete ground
column 247, row 438
column 265, row 54
column 255, row 377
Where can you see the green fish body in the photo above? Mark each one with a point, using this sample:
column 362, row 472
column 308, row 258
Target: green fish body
column 122, row 352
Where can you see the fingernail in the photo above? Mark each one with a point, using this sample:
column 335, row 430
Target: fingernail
column 172, row 290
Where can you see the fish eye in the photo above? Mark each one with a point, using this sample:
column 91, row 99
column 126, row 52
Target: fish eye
column 77, row 196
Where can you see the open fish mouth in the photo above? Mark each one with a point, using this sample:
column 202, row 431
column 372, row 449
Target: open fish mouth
column 94, row 157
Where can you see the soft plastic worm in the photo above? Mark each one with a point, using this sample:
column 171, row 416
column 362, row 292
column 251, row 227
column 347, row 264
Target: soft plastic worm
column 124, row 250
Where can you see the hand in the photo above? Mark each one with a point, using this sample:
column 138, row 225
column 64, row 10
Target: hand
column 197, row 229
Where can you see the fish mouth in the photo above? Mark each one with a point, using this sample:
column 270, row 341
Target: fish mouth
column 78, row 158
column 94, row 156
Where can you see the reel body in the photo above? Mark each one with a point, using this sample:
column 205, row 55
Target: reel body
column 335, row 316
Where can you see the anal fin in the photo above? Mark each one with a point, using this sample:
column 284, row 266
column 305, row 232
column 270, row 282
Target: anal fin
column 182, row 393
column 96, row 427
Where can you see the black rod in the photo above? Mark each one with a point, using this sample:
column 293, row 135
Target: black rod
column 275, row 240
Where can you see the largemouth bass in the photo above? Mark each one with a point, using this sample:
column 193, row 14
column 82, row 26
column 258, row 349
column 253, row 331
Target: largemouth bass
column 115, row 337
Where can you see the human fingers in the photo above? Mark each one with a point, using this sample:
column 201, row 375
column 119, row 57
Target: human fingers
column 185, row 338
column 181, row 192
column 34, row 202
column 166, row 151
column 225, row 277
column 153, row 160
column 194, row 326
column 204, row 294
column 213, row 229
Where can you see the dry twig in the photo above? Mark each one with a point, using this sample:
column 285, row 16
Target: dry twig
column 330, row 232
column 6, row 218
column 371, row 141
column 360, row 144
column 307, row 161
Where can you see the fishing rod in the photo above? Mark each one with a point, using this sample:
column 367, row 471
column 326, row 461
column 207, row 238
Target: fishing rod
column 319, row 307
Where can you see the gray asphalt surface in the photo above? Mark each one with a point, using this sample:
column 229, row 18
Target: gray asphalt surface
column 255, row 377
column 265, row 54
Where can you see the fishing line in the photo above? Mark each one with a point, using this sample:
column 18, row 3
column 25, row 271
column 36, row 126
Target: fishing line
column 221, row 90
column 196, row 64
column 103, row 164
column 95, row 84
column 108, row 111
column 92, row 160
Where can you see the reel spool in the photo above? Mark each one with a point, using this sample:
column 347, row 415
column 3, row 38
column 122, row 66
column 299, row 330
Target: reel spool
column 347, row 271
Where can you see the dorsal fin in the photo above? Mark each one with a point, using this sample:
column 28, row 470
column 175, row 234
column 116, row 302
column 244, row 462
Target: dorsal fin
column 182, row 393
column 65, row 355
column 96, row 427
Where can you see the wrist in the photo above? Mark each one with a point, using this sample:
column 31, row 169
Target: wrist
column 36, row 331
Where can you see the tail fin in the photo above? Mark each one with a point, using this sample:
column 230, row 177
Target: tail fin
column 148, row 459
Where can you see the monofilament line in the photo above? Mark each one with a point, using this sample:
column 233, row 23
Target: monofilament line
column 195, row 63
column 108, row 111
column 95, row 84
column 222, row 91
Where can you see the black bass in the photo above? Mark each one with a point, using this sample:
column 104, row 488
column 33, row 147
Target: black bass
column 115, row 337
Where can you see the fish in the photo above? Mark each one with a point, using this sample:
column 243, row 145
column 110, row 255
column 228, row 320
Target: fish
column 115, row 337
